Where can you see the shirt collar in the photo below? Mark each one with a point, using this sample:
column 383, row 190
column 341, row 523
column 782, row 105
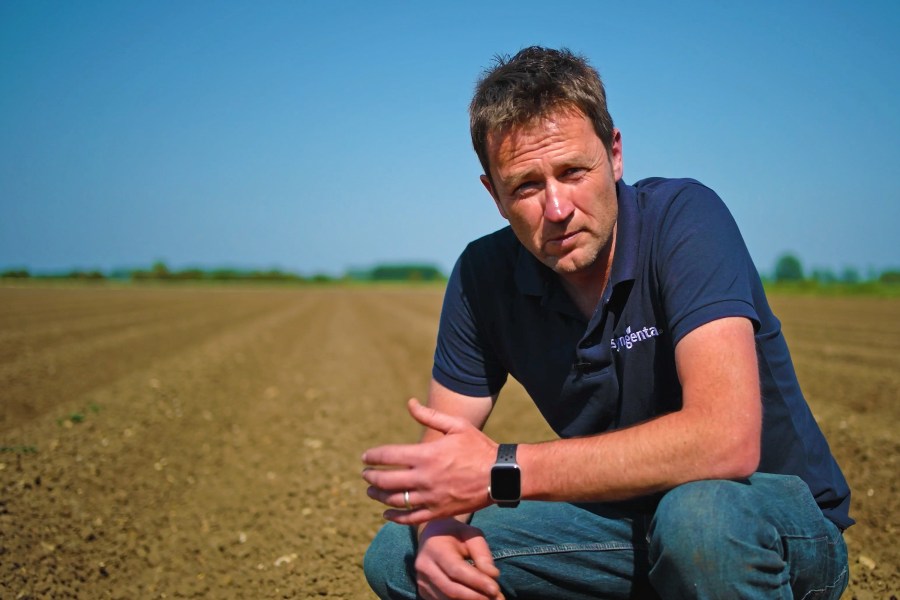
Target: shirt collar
column 628, row 236
column 533, row 278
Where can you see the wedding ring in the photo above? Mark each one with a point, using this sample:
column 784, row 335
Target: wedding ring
column 406, row 500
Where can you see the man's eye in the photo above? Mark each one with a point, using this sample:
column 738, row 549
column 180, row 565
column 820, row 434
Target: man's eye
column 526, row 187
column 573, row 172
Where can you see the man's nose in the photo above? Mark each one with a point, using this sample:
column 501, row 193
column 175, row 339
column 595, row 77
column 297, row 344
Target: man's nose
column 557, row 206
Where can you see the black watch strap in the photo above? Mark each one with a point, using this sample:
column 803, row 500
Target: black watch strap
column 506, row 464
column 506, row 454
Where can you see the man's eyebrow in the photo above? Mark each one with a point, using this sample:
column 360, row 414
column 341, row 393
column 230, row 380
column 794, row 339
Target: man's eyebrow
column 515, row 179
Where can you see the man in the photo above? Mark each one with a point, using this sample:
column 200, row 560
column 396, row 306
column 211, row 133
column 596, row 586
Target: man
column 688, row 464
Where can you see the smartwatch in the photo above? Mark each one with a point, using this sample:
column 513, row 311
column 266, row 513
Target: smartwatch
column 506, row 478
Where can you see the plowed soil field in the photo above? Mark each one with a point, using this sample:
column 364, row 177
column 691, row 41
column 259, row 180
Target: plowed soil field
column 205, row 442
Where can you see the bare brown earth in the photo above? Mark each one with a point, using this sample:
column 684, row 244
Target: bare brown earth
column 205, row 443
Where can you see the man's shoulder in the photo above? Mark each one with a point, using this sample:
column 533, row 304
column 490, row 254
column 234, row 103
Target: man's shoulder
column 502, row 239
column 499, row 247
column 659, row 199
column 661, row 189
column 490, row 263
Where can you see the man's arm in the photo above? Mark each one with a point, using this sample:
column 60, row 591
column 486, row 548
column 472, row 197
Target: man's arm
column 716, row 435
column 474, row 410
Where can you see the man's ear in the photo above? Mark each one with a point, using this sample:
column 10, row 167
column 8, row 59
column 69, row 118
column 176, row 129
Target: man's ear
column 615, row 159
column 486, row 182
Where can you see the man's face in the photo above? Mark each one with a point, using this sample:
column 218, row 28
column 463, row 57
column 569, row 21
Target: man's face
column 555, row 183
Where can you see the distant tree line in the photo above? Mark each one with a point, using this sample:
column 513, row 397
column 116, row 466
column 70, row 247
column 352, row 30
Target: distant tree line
column 789, row 269
column 160, row 272
column 405, row 273
column 73, row 274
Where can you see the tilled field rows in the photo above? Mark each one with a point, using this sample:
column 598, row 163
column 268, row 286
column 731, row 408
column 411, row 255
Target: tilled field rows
column 188, row 442
column 847, row 355
column 198, row 443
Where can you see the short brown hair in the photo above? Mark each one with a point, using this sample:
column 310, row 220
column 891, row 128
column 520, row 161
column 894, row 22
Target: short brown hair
column 532, row 84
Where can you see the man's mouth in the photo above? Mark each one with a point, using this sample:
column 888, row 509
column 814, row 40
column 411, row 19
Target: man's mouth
column 563, row 241
column 565, row 236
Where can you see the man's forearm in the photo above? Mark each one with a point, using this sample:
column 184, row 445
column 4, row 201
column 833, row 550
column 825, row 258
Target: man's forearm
column 651, row 457
column 716, row 434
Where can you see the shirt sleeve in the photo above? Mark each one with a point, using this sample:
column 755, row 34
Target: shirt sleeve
column 704, row 269
column 462, row 362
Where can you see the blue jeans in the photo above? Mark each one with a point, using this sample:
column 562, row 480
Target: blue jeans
column 759, row 538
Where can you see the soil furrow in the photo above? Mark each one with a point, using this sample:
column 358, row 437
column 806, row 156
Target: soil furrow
column 205, row 442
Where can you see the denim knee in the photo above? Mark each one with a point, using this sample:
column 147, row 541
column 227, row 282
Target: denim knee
column 708, row 540
column 389, row 563
column 703, row 511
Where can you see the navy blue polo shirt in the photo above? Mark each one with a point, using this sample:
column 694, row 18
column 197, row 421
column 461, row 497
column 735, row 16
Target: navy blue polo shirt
column 680, row 262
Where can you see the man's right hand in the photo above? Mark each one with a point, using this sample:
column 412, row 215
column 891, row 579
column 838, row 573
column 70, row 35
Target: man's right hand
column 454, row 561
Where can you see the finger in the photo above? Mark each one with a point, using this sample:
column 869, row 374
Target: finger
column 462, row 575
column 442, row 587
column 392, row 481
column 416, row 516
column 389, row 479
column 392, row 455
column 434, row 419
column 481, row 556
column 394, row 499
column 454, row 591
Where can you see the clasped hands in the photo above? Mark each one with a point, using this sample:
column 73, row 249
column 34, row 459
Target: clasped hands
column 430, row 480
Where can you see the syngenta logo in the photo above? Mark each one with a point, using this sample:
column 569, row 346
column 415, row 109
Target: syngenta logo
column 633, row 337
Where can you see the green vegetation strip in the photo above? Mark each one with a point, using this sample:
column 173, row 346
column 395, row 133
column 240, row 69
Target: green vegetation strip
column 18, row 449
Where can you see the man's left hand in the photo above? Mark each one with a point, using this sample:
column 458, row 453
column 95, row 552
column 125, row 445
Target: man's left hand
column 442, row 478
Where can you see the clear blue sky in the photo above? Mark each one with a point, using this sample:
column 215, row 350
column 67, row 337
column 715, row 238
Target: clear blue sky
column 318, row 136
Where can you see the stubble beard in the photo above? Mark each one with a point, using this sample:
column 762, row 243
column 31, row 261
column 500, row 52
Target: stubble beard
column 582, row 259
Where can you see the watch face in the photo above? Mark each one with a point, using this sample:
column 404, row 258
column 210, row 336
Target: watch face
column 506, row 483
